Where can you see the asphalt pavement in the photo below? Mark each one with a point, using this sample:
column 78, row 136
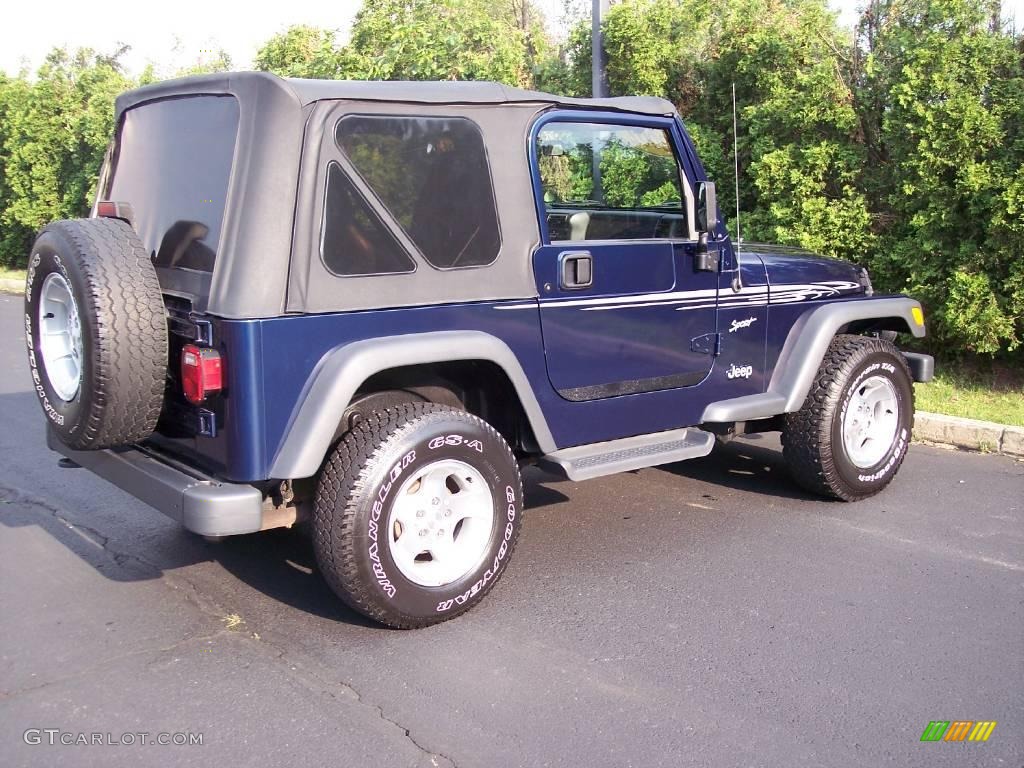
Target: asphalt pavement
column 706, row 613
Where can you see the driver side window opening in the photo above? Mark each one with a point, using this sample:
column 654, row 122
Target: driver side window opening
column 602, row 181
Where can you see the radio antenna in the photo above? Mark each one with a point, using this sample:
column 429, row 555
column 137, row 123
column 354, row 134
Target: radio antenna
column 736, row 168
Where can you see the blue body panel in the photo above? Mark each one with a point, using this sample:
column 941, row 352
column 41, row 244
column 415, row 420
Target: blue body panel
column 271, row 362
column 624, row 316
column 744, row 327
column 649, row 318
column 286, row 352
column 791, row 266
column 798, row 281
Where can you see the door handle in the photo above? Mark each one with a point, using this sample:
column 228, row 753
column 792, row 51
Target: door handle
column 575, row 270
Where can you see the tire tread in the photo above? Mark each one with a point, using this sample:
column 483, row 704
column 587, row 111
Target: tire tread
column 806, row 434
column 130, row 336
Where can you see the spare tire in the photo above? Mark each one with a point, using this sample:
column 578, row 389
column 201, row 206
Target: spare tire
column 96, row 331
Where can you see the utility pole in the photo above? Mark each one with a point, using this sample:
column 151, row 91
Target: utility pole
column 598, row 85
column 599, row 77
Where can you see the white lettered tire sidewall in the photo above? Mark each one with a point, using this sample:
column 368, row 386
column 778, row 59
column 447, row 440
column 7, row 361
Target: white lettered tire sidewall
column 66, row 417
column 812, row 437
column 866, row 480
column 368, row 578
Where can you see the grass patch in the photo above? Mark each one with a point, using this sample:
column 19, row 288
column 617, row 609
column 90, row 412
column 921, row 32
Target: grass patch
column 989, row 391
column 12, row 274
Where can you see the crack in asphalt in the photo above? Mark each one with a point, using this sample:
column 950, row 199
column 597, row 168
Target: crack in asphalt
column 319, row 684
column 205, row 605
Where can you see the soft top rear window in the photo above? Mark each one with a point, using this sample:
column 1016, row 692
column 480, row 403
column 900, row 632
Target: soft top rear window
column 173, row 164
column 432, row 175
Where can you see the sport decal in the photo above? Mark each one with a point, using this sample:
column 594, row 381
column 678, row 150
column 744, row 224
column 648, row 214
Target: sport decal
column 752, row 296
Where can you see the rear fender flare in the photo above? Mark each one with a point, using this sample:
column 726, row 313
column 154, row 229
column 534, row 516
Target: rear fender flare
column 339, row 374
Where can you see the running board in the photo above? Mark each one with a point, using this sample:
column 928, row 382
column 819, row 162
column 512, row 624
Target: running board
column 584, row 462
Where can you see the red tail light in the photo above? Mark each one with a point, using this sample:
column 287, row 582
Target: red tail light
column 111, row 209
column 201, row 373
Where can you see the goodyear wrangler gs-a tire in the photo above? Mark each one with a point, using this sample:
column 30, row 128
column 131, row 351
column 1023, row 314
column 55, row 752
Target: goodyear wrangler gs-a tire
column 417, row 513
column 96, row 333
column 853, row 431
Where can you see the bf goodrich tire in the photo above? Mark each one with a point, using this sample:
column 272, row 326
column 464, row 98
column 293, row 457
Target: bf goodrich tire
column 853, row 431
column 417, row 512
column 96, row 333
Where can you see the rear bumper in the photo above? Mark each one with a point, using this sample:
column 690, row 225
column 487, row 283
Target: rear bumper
column 201, row 504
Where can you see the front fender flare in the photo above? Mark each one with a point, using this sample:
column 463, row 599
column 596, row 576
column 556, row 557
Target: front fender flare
column 340, row 373
column 803, row 352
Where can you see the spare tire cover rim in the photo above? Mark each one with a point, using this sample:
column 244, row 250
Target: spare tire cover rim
column 440, row 524
column 60, row 336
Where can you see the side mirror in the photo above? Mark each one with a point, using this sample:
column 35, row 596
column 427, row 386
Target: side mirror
column 707, row 220
column 707, row 207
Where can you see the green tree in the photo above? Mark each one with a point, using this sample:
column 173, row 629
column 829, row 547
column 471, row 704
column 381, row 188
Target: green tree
column 14, row 237
column 567, row 70
column 653, row 47
column 797, row 143
column 208, row 62
column 528, row 18
column 303, row 51
column 438, row 40
column 799, row 155
column 56, row 132
column 941, row 102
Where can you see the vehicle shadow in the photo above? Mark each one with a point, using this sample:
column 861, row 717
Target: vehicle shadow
column 139, row 544
column 282, row 565
column 538, row 495
column 279, row 563
column 744, row 465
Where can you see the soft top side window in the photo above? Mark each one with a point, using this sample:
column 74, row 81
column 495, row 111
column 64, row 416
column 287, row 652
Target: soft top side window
column 602, row 181
column 433, row 176
column 353, row 239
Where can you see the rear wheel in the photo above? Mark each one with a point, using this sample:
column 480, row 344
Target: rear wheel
column 417, row 512
column 852, row 433
column 96, row 333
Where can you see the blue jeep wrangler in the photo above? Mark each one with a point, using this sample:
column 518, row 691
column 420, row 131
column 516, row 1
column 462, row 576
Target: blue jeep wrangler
column 367, row 304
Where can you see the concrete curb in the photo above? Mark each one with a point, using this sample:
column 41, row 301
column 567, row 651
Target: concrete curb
column 985, row 436
column 7, row 285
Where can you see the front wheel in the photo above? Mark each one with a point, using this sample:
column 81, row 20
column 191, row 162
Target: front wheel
column 852, row 433
column 417, row 512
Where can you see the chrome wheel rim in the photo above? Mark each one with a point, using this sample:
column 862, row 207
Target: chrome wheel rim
column 870, row 422
column 440, row 523
column 60, row 336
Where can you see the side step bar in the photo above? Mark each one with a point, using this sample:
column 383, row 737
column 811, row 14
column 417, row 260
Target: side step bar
column 584, row 462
